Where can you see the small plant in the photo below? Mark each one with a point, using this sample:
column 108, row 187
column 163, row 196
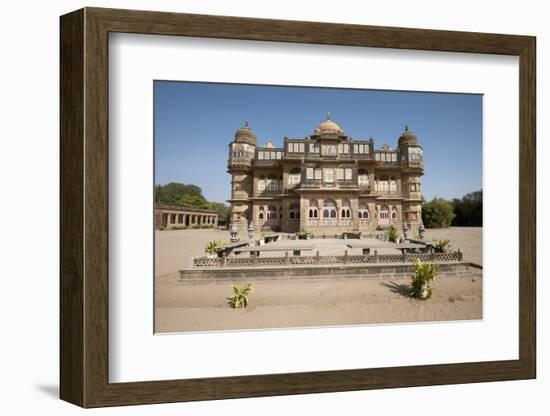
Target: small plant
column 195, row 226
column 178, row 227
column 420, row 280
column 441, row 245
column 305, row 235
column 212, row 246
column 393, row 234
column 239, row 299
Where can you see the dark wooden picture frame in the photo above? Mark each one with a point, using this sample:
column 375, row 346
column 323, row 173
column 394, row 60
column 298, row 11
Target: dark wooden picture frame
column 84, row 207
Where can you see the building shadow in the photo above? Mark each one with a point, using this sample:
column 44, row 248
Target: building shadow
column 400, row 289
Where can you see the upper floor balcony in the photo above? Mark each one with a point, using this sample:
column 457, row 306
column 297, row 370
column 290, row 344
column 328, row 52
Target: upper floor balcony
column 239, row 162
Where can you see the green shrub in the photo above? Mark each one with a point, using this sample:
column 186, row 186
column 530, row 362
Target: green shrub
column 420, row 280
column 441, row 244
column 178, row 226
column 393, row 234
column 304, row 235
column 240, row 296
column 212, row 246
column 195, row 226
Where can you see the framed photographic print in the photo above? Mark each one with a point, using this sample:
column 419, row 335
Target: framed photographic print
column 255, row 207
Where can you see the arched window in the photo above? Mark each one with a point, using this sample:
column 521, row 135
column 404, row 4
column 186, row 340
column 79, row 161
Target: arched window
column 294, row 177
column 346, row 209
column 313, row 209
column 393, row 185
column 271, row 213
column 384, row 215
column 329, row 209
column 363, row 212
column 362, row 178
column 383, row 184
column 261, row 183
column 294, row 211
column 272, row 183
column 394, row 214
column 261, row 215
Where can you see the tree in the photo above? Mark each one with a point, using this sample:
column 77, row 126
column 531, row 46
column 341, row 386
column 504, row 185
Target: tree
column 469, row 210
column 438, row 213
column 221, row 208
column 192, row 201
column 171, row 193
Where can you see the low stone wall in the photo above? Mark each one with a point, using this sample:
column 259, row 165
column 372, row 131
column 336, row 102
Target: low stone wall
column 376, row 271
column 253, row 261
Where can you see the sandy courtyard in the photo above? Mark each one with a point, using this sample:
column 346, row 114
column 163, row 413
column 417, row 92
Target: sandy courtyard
column 276, row 304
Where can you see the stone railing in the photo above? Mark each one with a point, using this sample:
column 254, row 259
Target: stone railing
column 253, row 261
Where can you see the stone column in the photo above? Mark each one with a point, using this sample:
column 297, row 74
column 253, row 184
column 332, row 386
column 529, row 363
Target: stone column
column 372, row 221
column 304, row 208
column 371, row 181
column 168, row 220
column 354, row 202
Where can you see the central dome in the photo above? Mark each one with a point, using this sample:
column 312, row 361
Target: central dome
column 329, row 126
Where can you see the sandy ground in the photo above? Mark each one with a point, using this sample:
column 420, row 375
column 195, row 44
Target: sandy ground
column 302, row 303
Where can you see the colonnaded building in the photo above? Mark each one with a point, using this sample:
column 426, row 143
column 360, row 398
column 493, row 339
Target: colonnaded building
column 325, row 183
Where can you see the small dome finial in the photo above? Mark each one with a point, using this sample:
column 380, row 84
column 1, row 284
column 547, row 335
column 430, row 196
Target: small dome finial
column 328, row 115
column 406, row 127
column 246, row 123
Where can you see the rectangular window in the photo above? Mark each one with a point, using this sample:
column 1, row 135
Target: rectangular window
column 261, row 185
column 383, row 157
column 377, row 156
column 272, row 155
column 260, row 155
column 340, row 174
column 348, row 174
column 309, row 173
column 302, row 147
column 367, row 148
column 294, row 179
column 329, row 149
column 318, row 173
column 355, row 149
column 394, row 157
column 328, row 175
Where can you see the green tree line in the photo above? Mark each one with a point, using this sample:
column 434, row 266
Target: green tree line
column 188, row 196
column 459, row 212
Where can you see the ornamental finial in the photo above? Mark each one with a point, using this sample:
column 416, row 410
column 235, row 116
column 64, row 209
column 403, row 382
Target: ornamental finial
column 328, row 115
column 406, row 127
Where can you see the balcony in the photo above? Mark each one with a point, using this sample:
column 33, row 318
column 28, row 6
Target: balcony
column 328, row 222
column 237, row 162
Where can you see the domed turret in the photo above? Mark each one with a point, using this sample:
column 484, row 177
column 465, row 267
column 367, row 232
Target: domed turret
column 328, row 126
column 245, row 135
column 407, row 138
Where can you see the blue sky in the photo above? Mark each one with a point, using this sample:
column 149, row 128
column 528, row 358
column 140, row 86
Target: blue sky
column 195, row 122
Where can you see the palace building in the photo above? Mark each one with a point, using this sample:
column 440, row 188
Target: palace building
column 325, row 183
